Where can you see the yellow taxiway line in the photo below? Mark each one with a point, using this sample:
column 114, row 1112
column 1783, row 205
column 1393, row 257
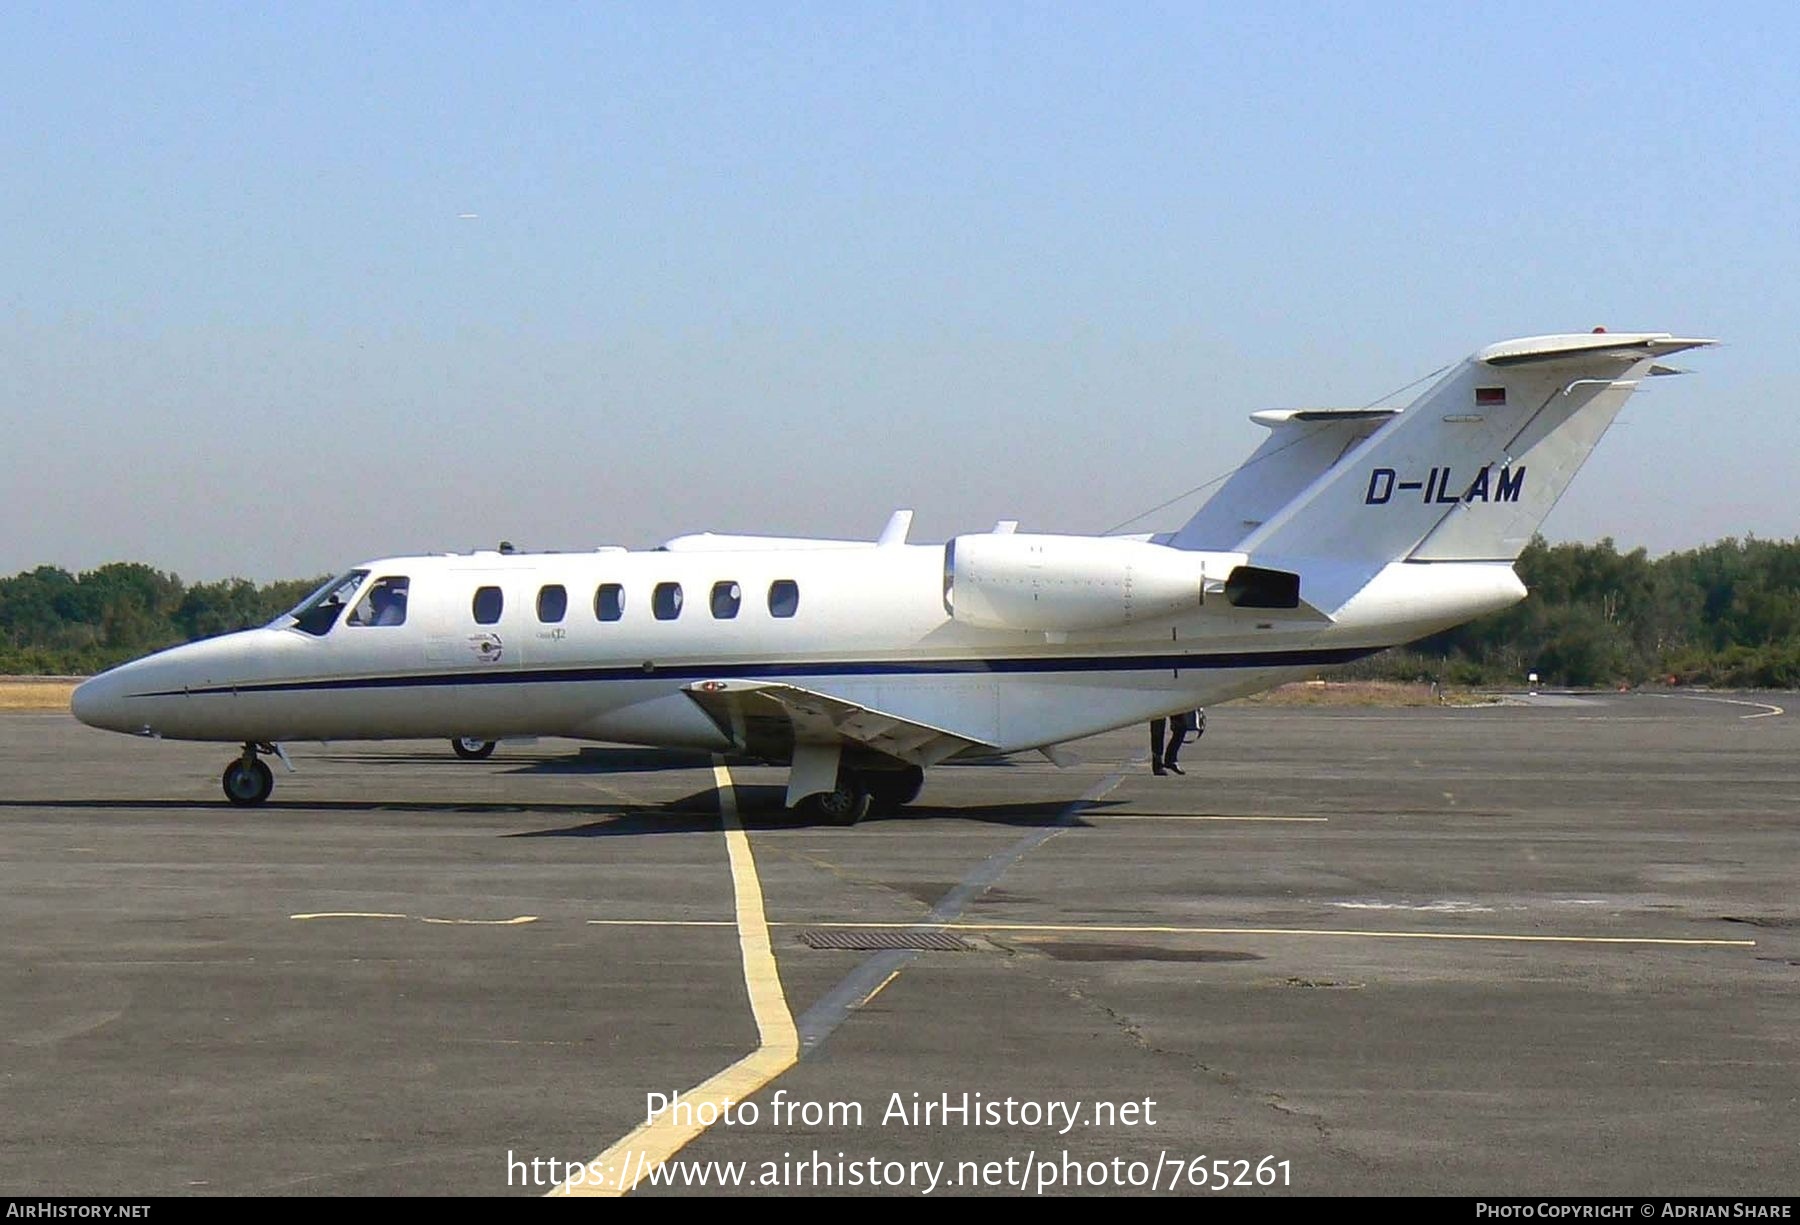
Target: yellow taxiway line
column 663, row 923
column 1345, row 933
column 1186, row 816
column 1163, row 929
column 1766, row 710
column 515, row 921
column 653, row 1142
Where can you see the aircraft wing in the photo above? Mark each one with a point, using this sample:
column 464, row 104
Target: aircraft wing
column 770, row 717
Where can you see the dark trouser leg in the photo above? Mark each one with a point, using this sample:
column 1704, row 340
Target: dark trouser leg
column 1178, row 730
column 1156, row 740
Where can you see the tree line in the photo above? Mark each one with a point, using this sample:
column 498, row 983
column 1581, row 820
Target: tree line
column 1727, row 614
column 56, row 623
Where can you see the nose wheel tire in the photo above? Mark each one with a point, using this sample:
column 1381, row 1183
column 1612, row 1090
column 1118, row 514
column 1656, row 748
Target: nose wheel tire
column 248, row 783
column 469, row 748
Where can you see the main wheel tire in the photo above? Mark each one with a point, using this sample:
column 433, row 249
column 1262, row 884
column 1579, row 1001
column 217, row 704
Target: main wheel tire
column 893, row 789
column 247, row 783
column 469, row 748
column 847, row 804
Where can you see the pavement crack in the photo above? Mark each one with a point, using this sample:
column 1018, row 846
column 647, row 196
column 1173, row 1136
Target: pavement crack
column 1133, row 1031
column 839, row 873
column 1279, row 1104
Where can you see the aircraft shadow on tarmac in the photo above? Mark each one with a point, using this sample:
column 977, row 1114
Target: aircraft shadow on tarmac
column 759, row 807
column 762, row 808
column 591, row 759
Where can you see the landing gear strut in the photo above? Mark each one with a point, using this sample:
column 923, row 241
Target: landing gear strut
column 248, row 779
column 472, row 748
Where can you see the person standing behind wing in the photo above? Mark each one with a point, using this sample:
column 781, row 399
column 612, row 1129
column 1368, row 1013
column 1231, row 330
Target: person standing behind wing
column 1157, row 727
column 1163, row 760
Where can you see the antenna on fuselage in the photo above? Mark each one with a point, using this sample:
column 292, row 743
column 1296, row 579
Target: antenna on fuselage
column 898, row 525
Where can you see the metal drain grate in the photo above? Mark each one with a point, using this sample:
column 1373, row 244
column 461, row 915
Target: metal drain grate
column 871, row 939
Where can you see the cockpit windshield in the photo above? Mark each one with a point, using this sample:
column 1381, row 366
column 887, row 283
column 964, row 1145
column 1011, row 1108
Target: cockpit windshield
column 318, row 612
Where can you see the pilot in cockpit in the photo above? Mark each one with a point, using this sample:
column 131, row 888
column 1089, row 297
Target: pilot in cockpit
column 389, row 604
column 384, row 604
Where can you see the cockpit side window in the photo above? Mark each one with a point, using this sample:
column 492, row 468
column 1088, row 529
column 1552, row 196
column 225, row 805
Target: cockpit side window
column 384, row 603
column 318, row 612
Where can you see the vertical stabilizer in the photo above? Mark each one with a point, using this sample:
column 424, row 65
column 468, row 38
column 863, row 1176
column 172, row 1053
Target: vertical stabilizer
column 1302, row 444
column 1469, row 470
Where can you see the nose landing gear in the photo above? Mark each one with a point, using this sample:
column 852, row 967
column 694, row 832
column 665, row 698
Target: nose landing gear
column 472, row 748
column 248, row 780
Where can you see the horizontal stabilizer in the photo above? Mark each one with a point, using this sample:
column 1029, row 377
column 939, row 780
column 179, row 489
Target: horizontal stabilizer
column 1273, row 417
column 1626, row 347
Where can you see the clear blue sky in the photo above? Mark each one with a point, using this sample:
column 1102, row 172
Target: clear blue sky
column 786, row 267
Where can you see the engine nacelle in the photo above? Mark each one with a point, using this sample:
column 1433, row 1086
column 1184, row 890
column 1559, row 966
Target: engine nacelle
column 1056, row 584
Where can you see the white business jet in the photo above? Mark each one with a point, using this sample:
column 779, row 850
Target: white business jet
column 858, row 664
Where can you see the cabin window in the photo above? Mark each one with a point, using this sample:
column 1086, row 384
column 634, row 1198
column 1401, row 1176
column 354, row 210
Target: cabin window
column 488, row 605
column 318, row 612
column 609, row 602
column 665, row 601
column 727, row 598
column 784, row 597
column 384, row 603
column 553, row 602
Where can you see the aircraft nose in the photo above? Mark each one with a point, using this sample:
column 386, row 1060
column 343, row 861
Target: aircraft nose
column 100, row 701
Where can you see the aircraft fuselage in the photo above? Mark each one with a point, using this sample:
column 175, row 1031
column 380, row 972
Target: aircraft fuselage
column 864, row 623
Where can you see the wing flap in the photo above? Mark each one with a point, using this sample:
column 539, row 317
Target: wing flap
column 769, row 717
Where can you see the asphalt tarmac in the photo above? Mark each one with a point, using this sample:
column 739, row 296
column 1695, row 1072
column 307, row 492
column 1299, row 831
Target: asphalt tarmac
column 1541, row 948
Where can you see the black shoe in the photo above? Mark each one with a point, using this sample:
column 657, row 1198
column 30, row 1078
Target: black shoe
column 1169, row 765
column 1156, row 768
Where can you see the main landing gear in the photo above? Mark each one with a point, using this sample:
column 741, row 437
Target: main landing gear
column 248, row 779
column 860, row 792
column 472, row 748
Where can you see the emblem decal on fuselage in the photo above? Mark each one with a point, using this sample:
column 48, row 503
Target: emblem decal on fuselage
column 486, row 647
